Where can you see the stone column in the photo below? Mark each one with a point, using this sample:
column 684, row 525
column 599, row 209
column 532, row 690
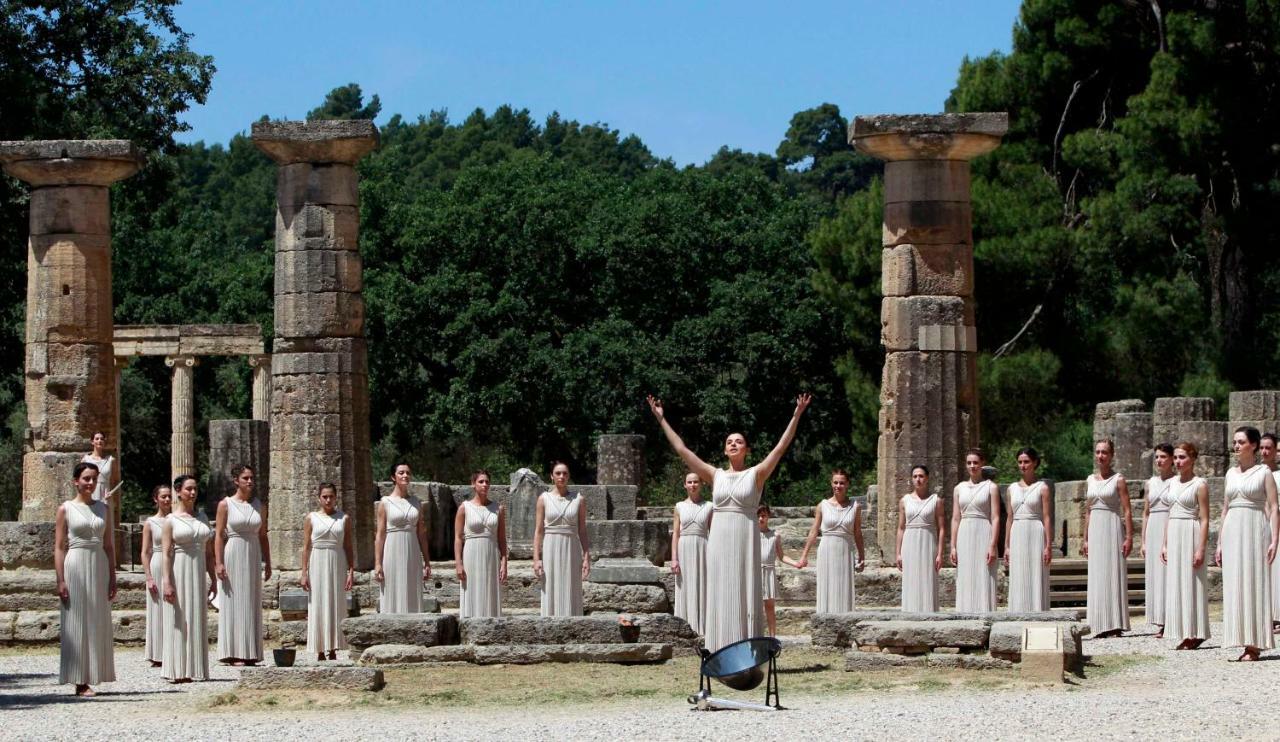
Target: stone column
column 70, row 368
column 261, row 365
column 620, row 460
column 319, row 365
column 231, row 443
column 182, row 416
column 928, row 392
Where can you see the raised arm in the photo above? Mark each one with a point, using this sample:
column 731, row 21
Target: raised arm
column 706, row 472
column 765, row 468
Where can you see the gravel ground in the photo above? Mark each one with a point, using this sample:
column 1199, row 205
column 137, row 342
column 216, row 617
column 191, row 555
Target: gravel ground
column 1181, row 695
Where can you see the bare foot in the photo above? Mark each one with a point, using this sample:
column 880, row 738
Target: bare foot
column 236, row 663
column 85, row 691
column 1250, row 654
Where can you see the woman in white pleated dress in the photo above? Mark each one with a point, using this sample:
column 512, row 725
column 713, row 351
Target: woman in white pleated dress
column 480, row 551
column 1246, row 548
column 689, row 527
column 1267, row 450
column 189, row 583
column 1108, row 539
column 1186, row 538
column 561, row 550
column 153, row 571
column 1155, row 517
column 735, row 607
column 921, row 535
column 243, row 557
column 1027, row 546
column 838, row 520
column 400, row 547
column 83, row 555
column 975, row 528
column 327, row 573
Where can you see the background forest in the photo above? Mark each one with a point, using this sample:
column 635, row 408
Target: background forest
column 527, row 282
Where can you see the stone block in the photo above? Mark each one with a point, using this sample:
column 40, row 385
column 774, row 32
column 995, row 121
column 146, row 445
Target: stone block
column 311, row 678
column 1170, row 411
column 960, row 633
column 624, row 571
column 647, row 539
column 322, row 141
column 1261, row 404
column 69, row 288
column 532, row 654
column 26, row 545
column 319, row 393
column 1211, row 438
column 856, row 661
column 1104, row 415
column 1133, row 444
column 655, row 628
column 420, row 629
column 1006, row 641
column 232, row 443
column 403, row 654
column 622, row 501
column 66, row 210
column 351, row 359
column 317, row 183
column 968, row 662
column 37, row 627
column 46, row 482
column 311, row 432
column 317, row 227
column 620, row 459
column 600, row 597
column 308, row 271
column 907, row 321
column 52, row 162
column 319, row 314
column 944, row 136
column 927, row 223
column 932, row 270
column 926, row 180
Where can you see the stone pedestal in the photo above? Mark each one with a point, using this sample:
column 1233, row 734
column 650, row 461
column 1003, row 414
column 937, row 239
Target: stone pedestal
column 620, row 460
column 231, row 443
column 182, row 416
column 319, row 366
column 928, row 392
column 70, row 368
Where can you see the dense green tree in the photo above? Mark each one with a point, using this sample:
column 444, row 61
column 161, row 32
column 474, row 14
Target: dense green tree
column 346, row 102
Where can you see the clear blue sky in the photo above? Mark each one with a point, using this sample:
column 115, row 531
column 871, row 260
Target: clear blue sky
column 687, row 77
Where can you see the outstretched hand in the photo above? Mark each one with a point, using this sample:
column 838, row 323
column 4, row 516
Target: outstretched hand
column 802, row 403
column 655, row 406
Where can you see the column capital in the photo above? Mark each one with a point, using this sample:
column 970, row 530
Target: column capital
column 944, row 136
column 60, row 162
column 339, row 142
column 181, row 361
column 259, row 360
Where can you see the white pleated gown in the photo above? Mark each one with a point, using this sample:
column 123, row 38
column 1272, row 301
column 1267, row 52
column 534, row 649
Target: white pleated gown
column 1246, row 576
column 154, row 650
column 1028, row 574
column 768, row 564
column 402, row 560
column 240, row 606
column 561, row 555
column 735, row 607
column 835, row 583
column 1107, row 606
column 691, row 583
column 919, row 553
column 1186, row 588
column 1275, row 569
column 481, row 595
column 975, row 579
column 1159, row 499
column 327, row 601
column 87, row 655
column 186, row 636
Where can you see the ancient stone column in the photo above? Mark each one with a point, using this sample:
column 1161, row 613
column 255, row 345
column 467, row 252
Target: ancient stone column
column 620, row 460
column 70, row 367
column 232, row 443
column 182, row 416
column 928, row 392
column 261, row 365
column 319, row 364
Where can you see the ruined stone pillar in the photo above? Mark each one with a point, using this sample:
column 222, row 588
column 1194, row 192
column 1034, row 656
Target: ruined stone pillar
column 182, row 416
column 620, row 460
column 232, row 443
column 70, row 367
column 319, row 364
column 261, row 365
column 929, row 388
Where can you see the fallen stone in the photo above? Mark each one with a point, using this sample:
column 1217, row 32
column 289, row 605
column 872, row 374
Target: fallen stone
column 26, row 545
column 655, row 628
column 311, row 678
column 963, row 633
column 530, row 654
column 1006, row 641
column 399, row 654
column 420, row 629
column 611, row 598
column 856, row 661
column 624, row 571
column 968, row 662
column 837, row 629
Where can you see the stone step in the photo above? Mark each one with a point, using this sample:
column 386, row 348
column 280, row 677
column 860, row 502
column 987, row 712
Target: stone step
column 311, row 678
